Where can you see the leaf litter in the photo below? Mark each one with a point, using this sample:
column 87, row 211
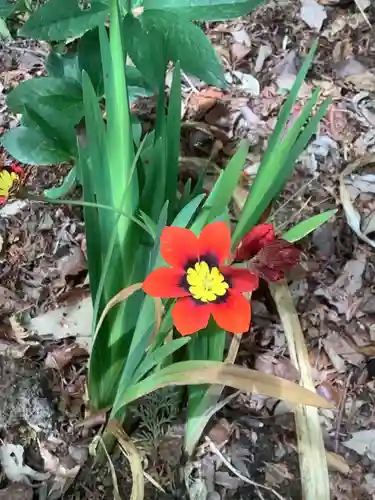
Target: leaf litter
column 48, row 313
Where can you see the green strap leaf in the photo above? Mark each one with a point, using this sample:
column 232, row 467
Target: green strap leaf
column 306, row 227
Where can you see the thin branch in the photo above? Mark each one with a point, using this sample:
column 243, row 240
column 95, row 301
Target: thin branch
column 237, row 473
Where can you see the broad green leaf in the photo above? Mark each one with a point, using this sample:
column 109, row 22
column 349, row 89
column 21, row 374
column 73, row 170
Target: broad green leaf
column 307, row 226
column 186, row 42
column 33, row 147
column 6, row 8
column 58, row 20
column 89, row 59
column 62, row 134
column 67, row 185
column 4, row 32
column 63, row 66
column 214, row 372
column 146, row 49
column 205, row 10
column 62, row 95
column 181, row 40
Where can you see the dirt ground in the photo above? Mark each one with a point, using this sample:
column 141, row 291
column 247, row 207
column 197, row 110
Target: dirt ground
column 42, row 267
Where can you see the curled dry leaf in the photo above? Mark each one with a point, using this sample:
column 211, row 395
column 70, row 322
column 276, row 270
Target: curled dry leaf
column 352, row 215
column 337, row 462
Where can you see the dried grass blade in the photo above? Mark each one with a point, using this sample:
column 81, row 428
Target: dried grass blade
column 312, row 455
column 132, row 454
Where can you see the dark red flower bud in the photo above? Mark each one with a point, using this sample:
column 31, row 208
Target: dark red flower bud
column 254, row 241
column 274, row 259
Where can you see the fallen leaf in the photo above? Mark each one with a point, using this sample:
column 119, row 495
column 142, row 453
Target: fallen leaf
column 72, row 264
column 349, row 67
column 338, row 349
column 313, row 14
column 55, row 465
column 11, row 459
column 73, row 320
column 362, row 442
column 9, row 302
column 353, row 217
column 220, row 432
column 264, row 52
column 337, row 462
column 248, row 83
column 340, row 294
column 17, row 491
column 241, row 36
column 224, row 479
column 239, row 52
column 63, row 355
column 276, row 473
column 201, row 102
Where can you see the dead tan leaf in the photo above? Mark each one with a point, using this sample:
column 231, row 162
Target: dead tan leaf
column 367, row 350
column 132, row 454
column 337, row 462
column 363, row 81
column 201, row 102
column 238, row 377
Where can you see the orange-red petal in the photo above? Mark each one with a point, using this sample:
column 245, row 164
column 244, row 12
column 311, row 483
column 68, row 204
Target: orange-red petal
column 178, row 246
column 165, row 283
column 214, row 241
column 233, row 315
column 241, row 280
column 189, row 316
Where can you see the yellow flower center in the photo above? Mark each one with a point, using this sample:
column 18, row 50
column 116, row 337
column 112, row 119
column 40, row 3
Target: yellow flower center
column 7, row 180
column 206, row 284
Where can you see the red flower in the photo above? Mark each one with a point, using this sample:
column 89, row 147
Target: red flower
column 268, row 255
column 201, row 282
column 11, row 178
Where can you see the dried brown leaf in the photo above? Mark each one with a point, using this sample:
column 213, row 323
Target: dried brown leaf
column 63, row 355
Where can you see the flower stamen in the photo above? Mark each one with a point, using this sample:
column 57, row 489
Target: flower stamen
column 206, row 284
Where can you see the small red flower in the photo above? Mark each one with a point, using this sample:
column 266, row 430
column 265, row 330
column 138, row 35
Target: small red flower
column 268, row 256
column 11, row 178
column 201, row 281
